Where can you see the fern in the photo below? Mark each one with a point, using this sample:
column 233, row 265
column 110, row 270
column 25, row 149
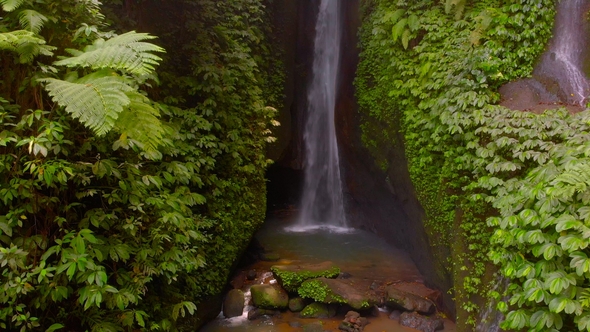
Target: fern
column 139, row 121
column 25, row 43
column 10, row 5
column 459, row 7
column 95, row 99
column 126, row 52
column 31, row 20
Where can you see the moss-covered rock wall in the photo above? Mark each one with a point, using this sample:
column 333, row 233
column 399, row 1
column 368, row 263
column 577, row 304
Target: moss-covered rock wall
column 427, row 86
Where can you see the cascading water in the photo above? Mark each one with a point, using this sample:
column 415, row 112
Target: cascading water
column 562, row 63
column 322, row 203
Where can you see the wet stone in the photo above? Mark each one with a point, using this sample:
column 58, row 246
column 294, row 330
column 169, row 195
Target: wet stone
column 255, row 313
column 353, row 322
column 251, row 275
column 420, row 322
column 233, row 305
column 269, row 297
column 409, row 301
column 297, row 304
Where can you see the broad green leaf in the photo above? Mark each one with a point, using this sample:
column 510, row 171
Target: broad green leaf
column 55, row 327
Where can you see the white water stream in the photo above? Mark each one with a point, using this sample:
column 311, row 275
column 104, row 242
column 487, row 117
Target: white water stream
column 322, row 204
column 563, row 61
column 568, row 49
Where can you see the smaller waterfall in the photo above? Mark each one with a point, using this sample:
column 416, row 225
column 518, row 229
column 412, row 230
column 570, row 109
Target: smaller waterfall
column 561, row 64
column 490, row 318
column 322, row 203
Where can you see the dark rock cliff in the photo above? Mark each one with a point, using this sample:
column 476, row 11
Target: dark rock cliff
column 380, row 202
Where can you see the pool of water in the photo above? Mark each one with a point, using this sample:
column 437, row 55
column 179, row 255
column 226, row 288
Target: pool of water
column 358, row 253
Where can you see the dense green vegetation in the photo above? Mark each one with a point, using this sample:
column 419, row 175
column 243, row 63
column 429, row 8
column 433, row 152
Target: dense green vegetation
column 124, row 203
column 498, row 186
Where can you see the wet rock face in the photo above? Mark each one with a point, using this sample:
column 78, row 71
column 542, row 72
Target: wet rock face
column 560, row 68
column 421, row 323
column 233, row 305
column 559, row 78
column 409, row 301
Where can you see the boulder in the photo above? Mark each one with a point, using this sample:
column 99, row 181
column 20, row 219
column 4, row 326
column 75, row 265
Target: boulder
column 421, row 290
column 257, row 312
column 421, row 323
column 409, row 301
column 251, row 274
column 339, row 291
column 290, row 277
column 353, row 322
column 296, row 304
column 269, row 297
column 395, row 315
column 318, row 310
column 233, row 305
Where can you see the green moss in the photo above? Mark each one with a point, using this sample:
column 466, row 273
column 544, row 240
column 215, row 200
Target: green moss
column 317, row 290
column 291, row 279
column 317, row 310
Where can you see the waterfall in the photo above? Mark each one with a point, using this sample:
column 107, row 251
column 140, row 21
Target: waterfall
column 322, row 203
column 561, row 64
column 490, row 318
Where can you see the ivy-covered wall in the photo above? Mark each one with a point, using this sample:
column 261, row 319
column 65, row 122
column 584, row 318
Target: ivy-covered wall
column 105, row 231
column 503, row 191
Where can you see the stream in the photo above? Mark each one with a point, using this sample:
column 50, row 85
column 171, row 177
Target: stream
column 358, row 253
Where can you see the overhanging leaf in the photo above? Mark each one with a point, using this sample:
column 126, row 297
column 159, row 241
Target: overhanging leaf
column 126, row 52
column 95, row 99
column 10, row 5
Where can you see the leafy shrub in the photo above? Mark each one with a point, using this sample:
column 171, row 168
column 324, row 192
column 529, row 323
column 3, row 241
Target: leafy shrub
column 112, row 203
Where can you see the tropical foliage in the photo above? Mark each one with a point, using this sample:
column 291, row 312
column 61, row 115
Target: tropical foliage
column 106, row 194
column 498, row 186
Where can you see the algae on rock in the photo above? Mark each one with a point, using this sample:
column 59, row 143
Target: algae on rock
column 290, row 277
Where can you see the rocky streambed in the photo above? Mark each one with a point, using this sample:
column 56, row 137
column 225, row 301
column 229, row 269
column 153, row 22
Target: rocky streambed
column 326, row 281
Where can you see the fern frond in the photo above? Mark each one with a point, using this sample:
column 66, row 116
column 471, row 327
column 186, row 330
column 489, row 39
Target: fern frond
column 96, row 99
column 139, row 121
column 126, row 52
column 31, row 20
column 10, row 5
column 459, row 7
column 25, row 43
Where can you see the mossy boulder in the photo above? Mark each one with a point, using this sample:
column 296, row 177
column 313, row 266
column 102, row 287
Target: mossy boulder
column 338, row 291
column 269, row 297
column 318, row 310
column 290, row 277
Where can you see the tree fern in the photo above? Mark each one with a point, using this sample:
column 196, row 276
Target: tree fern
column 10, row 5
column 31, row 20
column 126, row 52
column 139, row 121
column 25, row 43
column 96, row 99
